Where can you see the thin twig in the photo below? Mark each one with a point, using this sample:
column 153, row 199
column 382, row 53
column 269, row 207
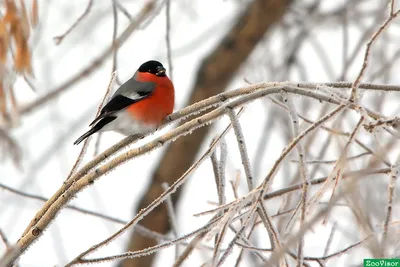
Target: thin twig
column 393, row 122
column 60, row 38
column 237, row 235
column 241, row 253
column 222, row 165
column 339, row 253
column 172, row 218
column 337, row 132
column 4, row 239
column 114, row 38
column 280, row 192
column 293, row 144
column 87, row 140
column 339, row 166
column 334, row 161
column 352, row 174
column 215, row 165
column 276, row 255
column 193, row 243
column 221, row 197
column 219, row 238
column 272, row 232
column 254, row 248
column 345, row 48
column 242, row 147
column 392, row 4
column 329, row 242
column 246, row 240
column 154, row 249
column 303, row 173
column 168, row 36
column 374, row 37
column 123, row 10
column 358, row 47
column 113, row 70
column 392, row 183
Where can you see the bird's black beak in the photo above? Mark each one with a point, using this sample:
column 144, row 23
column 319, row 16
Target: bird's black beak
column 161, row 71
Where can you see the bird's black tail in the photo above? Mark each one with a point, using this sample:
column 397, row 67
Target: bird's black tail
column 95, row 128
column 85, row 135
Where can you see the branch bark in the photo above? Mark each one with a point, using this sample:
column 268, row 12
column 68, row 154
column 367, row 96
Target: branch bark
column 215, row 73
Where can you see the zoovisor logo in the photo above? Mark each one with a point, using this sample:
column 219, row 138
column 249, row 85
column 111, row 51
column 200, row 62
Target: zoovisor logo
column 381, row 262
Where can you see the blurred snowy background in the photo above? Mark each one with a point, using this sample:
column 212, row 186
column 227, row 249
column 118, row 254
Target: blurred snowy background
column 297, row 41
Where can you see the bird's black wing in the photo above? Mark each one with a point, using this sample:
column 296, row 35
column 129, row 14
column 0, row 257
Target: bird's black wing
column 129, row 93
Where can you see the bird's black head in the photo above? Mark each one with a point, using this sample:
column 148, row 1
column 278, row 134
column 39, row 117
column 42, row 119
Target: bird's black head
column 153, row 67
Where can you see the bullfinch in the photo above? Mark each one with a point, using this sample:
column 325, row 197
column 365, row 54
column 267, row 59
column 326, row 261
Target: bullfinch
column 139, row 105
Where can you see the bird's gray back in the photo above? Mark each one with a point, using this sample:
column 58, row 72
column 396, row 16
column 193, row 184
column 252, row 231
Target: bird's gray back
column 135, row 89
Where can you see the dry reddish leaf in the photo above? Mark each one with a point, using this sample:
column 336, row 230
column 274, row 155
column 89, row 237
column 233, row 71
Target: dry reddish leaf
column 14, row 27
column 34, row 14
column 24, row 19
column 22, row 56
column 4, row 40
column 17, row 23
column 11, row 15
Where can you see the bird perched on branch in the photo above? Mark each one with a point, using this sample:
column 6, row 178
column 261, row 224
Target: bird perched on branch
column 139, row 105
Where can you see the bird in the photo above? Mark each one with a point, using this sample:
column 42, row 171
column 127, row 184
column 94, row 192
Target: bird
column 139, row 105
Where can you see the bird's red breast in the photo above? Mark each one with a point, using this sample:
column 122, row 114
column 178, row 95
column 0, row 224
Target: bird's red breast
column 153, row 109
